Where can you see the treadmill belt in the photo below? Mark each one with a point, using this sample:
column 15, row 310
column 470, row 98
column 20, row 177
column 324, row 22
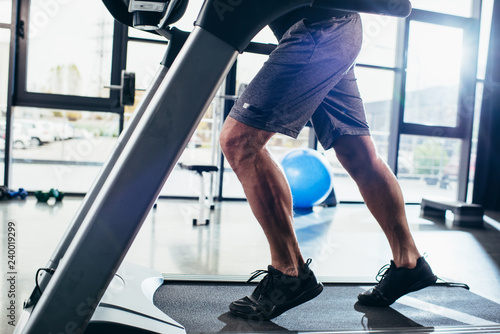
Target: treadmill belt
column 203, row 307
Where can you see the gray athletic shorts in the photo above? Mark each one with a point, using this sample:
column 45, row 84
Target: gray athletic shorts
column 309, row 76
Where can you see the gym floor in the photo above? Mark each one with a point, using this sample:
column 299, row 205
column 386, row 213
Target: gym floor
column 345, row 243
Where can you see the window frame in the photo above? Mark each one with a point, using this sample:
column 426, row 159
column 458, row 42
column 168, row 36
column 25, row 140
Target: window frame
column 12, row 26
column 468, row 79
column 22, row 97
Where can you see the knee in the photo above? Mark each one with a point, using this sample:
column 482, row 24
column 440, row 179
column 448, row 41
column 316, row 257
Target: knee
column 237, row 147
column 359, row 162
column 228, row 143
column 243, row 145
column 363, row 167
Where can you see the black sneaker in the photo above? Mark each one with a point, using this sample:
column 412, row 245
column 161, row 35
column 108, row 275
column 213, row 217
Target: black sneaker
column 395, row 282
column 277, row 293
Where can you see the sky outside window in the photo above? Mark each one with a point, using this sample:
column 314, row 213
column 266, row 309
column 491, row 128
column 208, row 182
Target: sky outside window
column 4, row 66
column 453, row 7
column 433, row 74
column 69, row 48
column 5, row 11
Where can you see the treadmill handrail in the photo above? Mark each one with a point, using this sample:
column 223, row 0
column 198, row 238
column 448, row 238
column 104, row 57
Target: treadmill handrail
column 237, row 21
column 398, row 8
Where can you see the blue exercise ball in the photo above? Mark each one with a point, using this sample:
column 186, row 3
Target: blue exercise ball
column 310, row 177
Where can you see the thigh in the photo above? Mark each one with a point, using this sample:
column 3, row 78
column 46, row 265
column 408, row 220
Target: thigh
column 355, row 148
column 340, row 113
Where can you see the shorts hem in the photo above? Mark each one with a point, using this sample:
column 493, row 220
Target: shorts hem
column 264, row 125
column 343, row 132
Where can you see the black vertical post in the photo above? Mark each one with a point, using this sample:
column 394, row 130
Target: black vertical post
column 399, row 95
column 119, row 61
column 17, row 30
column 466, row 105
column 487, row 178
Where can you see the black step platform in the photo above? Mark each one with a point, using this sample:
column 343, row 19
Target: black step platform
column 464, row 214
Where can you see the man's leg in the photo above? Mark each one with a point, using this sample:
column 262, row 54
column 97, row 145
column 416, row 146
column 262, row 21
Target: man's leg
column 289, row 281
column 381, row 193
column 408, row 271
column 266, row 189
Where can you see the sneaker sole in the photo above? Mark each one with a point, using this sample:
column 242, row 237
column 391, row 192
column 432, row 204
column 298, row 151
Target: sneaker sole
column 417, row 286
column 278, row 310
column 422, row 284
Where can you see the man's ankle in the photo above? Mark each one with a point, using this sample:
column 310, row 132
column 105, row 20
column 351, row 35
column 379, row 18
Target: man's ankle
column 290, row 269
column 406, row 255
column 409, row 262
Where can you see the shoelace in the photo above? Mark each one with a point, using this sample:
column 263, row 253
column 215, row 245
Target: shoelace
column 256, row 274
column 266, row 282
column 383, row 272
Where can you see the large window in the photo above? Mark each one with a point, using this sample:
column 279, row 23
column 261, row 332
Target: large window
column 64, row 120
column 439, row 102
column 69, row 54
column 5, row 11
column 62, row 149
column 428, row 166
column 433, row 75
column 69, row 48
